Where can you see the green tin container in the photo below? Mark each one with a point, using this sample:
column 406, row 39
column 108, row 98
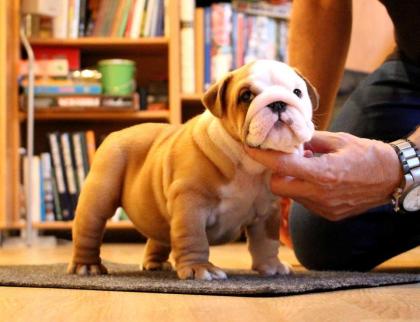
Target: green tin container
column 117, row 76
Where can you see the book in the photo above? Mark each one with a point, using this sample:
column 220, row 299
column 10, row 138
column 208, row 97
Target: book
column 58, row 216
column 47, row 213
column 187, row 47
column 207, row 47
column 73, row 20
column 263, row 8
column 79, row 165
column 35, row 182
column 70, row 168
column 150, row 7
column 221, row 51
column 282, row 40
column 67, row 208
column 199, row 54
column 72, row 55
column 262, row 39
column 83, row 18
column 55, row 88
column 138, row 14
column 60, row 24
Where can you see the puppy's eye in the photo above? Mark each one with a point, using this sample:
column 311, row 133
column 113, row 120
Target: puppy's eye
column 297, row 92
column 246, row 96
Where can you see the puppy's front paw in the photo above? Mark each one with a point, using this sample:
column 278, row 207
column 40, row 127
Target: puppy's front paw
column 157, row 266
column 201, row 271
column 272, row 267
column 86, row 269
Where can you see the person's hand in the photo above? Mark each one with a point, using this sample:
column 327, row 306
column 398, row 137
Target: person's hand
column 351, row 175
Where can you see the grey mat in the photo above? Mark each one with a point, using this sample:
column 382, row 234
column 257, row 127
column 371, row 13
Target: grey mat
column 124, row 277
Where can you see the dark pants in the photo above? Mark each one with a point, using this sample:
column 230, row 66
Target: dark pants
column 385, row 106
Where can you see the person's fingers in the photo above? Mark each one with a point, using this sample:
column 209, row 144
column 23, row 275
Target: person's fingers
column 291, row 187
column 324, row 142
column 315, row 170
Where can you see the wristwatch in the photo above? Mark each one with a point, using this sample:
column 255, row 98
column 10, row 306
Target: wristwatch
column 407, row 196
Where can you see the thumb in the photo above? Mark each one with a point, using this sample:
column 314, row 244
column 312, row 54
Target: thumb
column 291, row 165
column 324, row 142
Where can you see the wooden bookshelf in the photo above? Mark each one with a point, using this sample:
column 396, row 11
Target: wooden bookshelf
column 192, row 97
column 146, row 45
column 156, row 56
column 65, row 225
column 61, row 114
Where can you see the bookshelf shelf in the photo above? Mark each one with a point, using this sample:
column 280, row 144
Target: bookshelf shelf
column 89, row 115
column 150, row 45
column 191, row 97
column 66, row 225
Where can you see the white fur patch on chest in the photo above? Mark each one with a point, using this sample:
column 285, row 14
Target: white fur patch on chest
column 244, row 198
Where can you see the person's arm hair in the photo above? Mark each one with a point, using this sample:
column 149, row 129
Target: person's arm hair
column 320, row 33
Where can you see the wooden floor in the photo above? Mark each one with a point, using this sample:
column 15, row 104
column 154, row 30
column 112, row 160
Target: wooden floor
column 396, row 303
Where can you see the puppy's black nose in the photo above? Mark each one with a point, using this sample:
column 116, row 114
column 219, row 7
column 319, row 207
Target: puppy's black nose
column 277, row 107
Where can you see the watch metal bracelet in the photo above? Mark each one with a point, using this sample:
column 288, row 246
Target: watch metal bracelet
column 409, row 158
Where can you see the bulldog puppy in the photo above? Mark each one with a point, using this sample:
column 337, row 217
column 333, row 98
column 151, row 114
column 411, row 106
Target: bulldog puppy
column 190, row 186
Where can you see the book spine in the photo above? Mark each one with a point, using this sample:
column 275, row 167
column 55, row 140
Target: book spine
column 60, row 21
column 78, row 154
column 148, row 17
column 199, row 49
column 85, row 155
column 57, row 158
column 74, row 9
column 207, row 47
column 138, row 14
column 124, row 18
column 82, row 18
column 187, row 47
column 221, row 53
column 234, row 39
column 58, row 215
column 130, row 19
column 240, row 39
column 92, row 89
column 48, row 199
column 35, row 182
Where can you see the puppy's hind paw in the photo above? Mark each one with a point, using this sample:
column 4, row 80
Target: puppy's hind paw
column 86, row 269
column 201, row 271
column 157, row 266
column 273, row 267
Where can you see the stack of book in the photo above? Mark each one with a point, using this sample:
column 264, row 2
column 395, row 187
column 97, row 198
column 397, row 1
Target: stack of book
column 58, row 175
column 59, row 84
column 229, row 35
column 102, row 18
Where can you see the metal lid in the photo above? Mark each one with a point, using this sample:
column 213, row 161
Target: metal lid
column 116, row 61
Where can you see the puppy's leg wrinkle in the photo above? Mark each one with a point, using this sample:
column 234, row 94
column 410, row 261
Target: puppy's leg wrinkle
column 156, row 256
column 98, row 201
column 263, row 244
column 189, row 241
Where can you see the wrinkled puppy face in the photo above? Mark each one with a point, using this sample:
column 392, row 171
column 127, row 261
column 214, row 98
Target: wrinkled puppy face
column 265, row 104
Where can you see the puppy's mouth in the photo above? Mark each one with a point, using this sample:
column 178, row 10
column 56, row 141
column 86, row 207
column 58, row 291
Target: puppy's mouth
column 278, row 120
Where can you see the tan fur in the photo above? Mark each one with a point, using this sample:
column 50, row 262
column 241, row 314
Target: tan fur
column 184, row 188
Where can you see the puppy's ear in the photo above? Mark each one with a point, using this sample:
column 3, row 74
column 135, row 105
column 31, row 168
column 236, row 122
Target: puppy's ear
column 214, row 99
column 313, row 93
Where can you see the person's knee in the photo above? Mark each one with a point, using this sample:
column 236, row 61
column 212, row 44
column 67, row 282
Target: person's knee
column 322, row 245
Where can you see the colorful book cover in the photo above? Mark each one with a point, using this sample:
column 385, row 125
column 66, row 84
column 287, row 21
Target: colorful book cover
column 221, row 29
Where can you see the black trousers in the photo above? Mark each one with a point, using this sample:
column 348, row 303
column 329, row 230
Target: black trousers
column 385, row 106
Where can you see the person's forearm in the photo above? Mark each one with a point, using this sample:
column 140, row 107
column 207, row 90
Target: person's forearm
column 319, row 39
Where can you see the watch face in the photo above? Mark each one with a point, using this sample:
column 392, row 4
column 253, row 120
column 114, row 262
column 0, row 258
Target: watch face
column 412, row 199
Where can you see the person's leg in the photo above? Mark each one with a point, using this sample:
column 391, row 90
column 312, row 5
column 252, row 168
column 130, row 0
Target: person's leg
column 386, row 106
